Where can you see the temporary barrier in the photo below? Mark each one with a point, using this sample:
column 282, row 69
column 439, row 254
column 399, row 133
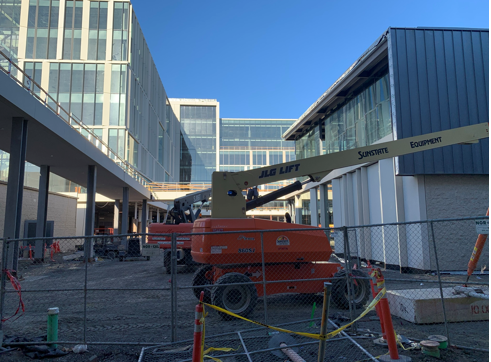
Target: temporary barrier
column 153, row 308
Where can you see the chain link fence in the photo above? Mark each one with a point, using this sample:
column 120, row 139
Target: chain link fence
column 121, row 290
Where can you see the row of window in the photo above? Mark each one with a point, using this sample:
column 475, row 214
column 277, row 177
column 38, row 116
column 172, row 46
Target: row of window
column 253, row 133
column 43, row 22
column 199, row 130
column 258, row 157
column 361, row 121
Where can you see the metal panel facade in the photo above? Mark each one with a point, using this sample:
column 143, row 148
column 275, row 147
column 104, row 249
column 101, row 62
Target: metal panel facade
column 441, row 81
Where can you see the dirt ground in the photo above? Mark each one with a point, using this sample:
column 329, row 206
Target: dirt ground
column 130, row 302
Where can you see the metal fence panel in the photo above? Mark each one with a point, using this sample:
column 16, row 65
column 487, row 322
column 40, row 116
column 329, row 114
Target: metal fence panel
column 111, row 293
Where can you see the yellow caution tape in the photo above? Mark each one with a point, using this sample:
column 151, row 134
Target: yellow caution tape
column 400, row 343
column 324, row 337
column 204, row 354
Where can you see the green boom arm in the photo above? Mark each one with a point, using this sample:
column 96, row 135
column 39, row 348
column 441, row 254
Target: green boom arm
column 227, row 199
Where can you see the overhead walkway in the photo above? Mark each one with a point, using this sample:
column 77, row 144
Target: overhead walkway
column 36, row 129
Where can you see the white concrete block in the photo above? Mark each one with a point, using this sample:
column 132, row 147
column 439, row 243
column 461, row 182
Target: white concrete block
column 423, row 306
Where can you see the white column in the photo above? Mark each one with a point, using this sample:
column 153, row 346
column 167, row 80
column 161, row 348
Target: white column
column 298, row 209
column 314, row 215
column 323, row 205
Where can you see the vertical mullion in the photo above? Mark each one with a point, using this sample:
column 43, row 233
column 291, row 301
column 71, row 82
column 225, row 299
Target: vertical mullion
column 83, row 93
column 95, row 96
column 70, row 90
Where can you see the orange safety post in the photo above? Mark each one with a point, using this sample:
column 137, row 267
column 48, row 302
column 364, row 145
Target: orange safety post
column 476, row 253
column 30, row 252
column 198, row 330
column 375, row 290
column 389, row 328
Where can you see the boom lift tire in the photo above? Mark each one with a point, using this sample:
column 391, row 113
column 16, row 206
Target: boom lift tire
column 238, row 299
column 361, row 289
column 199, row 278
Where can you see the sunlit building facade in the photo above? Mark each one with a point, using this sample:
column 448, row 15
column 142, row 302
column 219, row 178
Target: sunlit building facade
column 92, row 58
column 411, row 81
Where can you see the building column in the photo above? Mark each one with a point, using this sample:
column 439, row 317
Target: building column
column 298, row 209
column 144, row 217
column 365, row 217
column 90, row 210
column 125, row 211
column 117, row 206
column 314, row 213
column 42, row 215
column 323, row 205
column 135, row 218
column 15, row 189
column 158, row 216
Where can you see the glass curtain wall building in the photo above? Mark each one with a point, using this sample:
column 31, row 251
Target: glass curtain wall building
column 92, row 58
column 199, row 136
column 409, row 82
column 246, row 144
column 360, row 121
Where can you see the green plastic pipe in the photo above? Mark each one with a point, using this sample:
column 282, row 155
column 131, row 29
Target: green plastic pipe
column 53, row 326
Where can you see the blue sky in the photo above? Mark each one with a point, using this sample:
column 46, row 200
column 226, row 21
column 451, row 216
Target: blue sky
column 274, row 58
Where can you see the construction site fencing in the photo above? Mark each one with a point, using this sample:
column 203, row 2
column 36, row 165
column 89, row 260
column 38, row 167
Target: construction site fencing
column 108, row 292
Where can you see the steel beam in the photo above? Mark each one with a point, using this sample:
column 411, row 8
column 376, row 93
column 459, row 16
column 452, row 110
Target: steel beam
column 15, row 189
column 42, row 215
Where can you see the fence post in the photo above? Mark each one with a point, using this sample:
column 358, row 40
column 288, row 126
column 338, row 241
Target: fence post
column 264, row 282
column 349, row 284
column 324, row 322
column 2, row 285
column 173, row 268
column 439, row 281
column 87, row 243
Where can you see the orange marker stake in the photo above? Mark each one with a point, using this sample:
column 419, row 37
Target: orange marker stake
column 476, row 253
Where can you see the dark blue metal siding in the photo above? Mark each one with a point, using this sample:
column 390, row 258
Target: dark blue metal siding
column 441, row 81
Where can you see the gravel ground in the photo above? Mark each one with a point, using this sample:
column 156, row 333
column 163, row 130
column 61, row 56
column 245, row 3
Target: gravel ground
column 129, row 302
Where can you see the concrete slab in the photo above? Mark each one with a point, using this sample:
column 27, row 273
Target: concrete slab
column 422, row 306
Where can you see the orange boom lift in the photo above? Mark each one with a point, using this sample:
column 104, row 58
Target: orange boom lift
column 288, row 255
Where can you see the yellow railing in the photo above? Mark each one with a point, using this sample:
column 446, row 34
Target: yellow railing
column 193, row 187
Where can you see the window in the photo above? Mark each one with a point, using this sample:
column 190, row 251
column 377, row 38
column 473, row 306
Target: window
column 42, row 29
column 34, row 71
column 259, row 158
column 362, row 121
column 132, row 156
column 161, row 145
column 79, row 90
column 275, row 157
column 97, row 30
column 199, row 129
column 9, row 28
column 117, row 111
column 120, row 31
column 73, row 29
